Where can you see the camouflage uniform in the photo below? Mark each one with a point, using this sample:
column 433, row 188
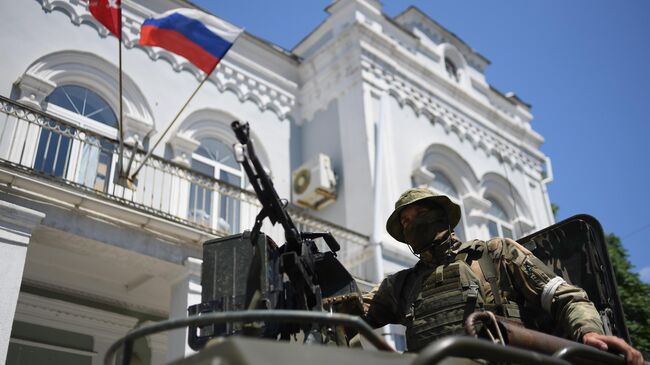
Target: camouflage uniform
column 521, row 280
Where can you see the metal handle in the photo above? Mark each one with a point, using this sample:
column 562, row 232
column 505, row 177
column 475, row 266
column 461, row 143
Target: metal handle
column 252, row 316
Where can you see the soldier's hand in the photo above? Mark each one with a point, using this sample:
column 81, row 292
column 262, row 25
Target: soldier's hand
column 602, row 342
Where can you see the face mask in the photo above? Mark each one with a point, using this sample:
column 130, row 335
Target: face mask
column 427, row 230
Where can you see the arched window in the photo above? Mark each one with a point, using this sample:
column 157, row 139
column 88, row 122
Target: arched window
column 441, row 184
column 451, row 68
column 84, row 102
column 55, row 146
column 499, row 224
column 216, row 160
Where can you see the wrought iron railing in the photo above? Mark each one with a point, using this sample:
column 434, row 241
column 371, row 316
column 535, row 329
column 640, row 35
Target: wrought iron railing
column 51, row 148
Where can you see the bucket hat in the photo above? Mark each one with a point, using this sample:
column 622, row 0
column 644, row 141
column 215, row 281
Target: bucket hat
column 410, row 196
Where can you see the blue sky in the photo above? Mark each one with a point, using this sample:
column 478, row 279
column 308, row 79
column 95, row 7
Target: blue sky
column 584, row 65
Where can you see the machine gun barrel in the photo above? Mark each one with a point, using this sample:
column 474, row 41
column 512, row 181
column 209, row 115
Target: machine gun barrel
column 273, row 208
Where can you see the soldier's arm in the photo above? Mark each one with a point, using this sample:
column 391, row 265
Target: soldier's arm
column 380, row 304
column 568, row 305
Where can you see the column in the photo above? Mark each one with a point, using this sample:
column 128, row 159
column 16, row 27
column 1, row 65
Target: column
column 184, row 292
column 16, row 226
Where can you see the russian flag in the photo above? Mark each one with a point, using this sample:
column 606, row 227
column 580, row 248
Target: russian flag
column 200, row 37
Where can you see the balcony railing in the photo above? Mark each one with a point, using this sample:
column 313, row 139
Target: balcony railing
column 50, row 148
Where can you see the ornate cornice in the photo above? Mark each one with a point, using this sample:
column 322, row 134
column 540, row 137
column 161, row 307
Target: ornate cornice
column 334, row 68
column 35, row 308
column 102, row 299
column 451, row 119
column 226, row 77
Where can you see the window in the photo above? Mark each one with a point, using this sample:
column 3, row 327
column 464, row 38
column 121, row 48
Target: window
column 215, row 159
column 442, row 185
column 84, row 102
column 53, row 150
column 451, row 68
column 498, row 221
column 55, row 144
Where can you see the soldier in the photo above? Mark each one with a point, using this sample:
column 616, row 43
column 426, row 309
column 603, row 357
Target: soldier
column 453, row 279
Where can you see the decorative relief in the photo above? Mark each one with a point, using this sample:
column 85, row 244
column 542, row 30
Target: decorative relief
column 32, row 306
column 246, row 87
column 466, row 129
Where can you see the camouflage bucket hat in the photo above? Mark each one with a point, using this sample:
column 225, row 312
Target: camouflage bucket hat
column 393, row 225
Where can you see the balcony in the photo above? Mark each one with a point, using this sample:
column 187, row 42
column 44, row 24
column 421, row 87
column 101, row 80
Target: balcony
column 43, row 155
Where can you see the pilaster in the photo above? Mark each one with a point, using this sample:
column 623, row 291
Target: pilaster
column 16, row 226
column 185, row 292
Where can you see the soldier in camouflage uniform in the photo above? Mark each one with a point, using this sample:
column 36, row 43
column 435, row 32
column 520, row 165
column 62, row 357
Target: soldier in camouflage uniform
column 453, row 279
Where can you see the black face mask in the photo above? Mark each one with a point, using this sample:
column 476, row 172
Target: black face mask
column 427, row 230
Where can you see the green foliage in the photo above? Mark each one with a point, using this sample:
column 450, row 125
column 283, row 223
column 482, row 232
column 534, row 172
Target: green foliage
column 555, row 208
column 635, row 296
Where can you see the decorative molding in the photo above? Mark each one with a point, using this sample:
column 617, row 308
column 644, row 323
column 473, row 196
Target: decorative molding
column 193, row 266
column 226, row 77
column 182, row 148
column 473, row 201
column 90, row 71
column 247, row 87
column 437, row 111
column 524, row 224
column 334, row 65
column 84, row 294
column 34, row 90
column 59, row 314
column 135, row 130
column 20, row 216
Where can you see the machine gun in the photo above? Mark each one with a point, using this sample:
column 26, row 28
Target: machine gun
column 249, row 271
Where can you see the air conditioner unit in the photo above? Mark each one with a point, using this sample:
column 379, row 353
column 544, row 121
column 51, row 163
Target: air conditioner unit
column 314, row 184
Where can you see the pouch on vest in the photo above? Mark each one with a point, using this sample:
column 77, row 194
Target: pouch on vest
column 447, row 296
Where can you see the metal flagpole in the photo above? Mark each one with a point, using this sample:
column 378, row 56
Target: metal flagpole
column 151, row 149
column 121, row 117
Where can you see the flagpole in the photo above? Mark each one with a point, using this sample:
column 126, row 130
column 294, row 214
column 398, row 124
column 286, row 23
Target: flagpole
column 151, row 149
column 121, row 119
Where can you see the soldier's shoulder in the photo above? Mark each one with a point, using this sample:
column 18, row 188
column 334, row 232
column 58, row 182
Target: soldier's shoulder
column 506, row 248
column 399, row 275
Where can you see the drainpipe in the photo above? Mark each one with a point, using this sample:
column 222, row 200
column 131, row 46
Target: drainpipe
column 547, row 180
column 377, row 226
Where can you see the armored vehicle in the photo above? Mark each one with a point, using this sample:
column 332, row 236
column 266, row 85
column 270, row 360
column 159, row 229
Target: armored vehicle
column 264, row 303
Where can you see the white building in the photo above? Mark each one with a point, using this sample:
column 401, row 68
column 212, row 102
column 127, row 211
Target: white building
column 394, row 103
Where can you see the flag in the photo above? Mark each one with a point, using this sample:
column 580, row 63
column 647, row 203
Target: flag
column 109, row 13
column 200, row 37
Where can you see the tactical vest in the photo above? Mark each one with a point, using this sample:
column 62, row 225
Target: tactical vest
column 451, row 292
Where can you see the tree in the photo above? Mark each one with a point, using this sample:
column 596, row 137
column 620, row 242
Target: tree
column 555, row 209
column 634, row 293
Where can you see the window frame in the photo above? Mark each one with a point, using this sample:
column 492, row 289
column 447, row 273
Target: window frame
column 76, row 148
column 452, row 69
column 460, row 229
column 216, row 198
column 498, row 221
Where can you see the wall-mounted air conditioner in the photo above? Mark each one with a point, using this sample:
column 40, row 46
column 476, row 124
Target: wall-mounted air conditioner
column 314, row 183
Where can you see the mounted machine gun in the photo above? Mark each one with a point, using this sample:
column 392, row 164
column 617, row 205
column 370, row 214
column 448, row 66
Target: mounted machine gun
column 249, row 271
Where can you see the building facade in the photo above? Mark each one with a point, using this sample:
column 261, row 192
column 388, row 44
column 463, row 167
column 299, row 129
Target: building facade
column 392, row 102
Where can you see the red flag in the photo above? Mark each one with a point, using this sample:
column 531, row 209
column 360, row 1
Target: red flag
column 109, row 13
